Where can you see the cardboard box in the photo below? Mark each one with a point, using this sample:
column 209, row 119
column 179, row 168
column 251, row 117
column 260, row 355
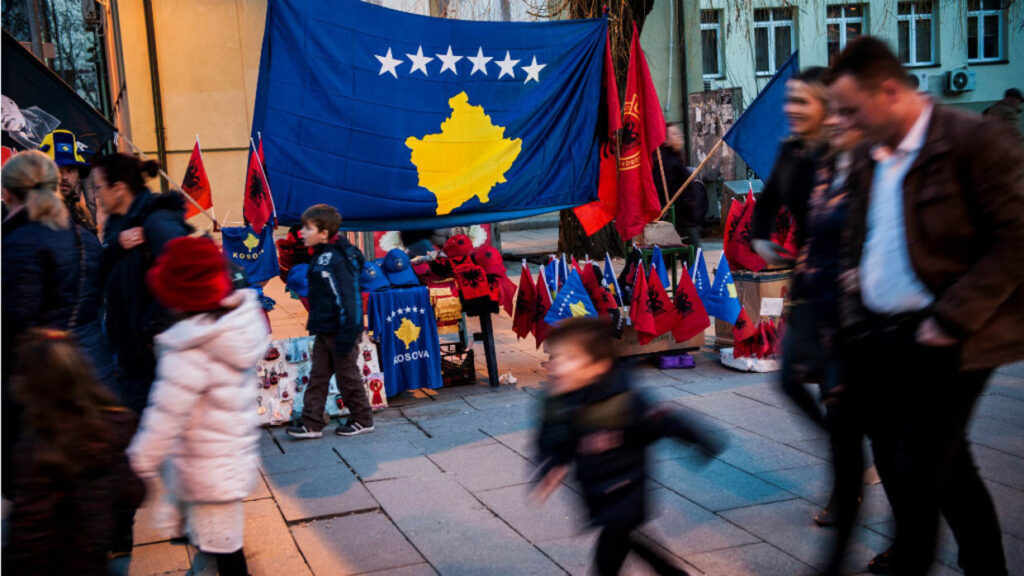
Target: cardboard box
column 751, row 287
column 630, row 346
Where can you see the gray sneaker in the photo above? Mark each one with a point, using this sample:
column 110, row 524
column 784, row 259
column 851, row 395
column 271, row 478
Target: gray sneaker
column 353, row 429
column 302, row 432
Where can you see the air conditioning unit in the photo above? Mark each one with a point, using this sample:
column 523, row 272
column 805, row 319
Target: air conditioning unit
column 961, row 81
column 922, row 81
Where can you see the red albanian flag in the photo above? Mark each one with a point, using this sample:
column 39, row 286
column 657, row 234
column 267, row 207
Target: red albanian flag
column 541, row 329
column 639, row 312
column 600, row 212
column 732, row 220
column 661, row 306
column 743, row 329
column 258, row 208
column 783, row 232
column 693, row 318
column 643, row 130
column 196, row 184
column 603, row 300
column 526, row 304
column 739, row 251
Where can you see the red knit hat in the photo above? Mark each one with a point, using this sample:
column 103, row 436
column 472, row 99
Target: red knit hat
column 190, row 276
column 458, row 246
column 489, row 258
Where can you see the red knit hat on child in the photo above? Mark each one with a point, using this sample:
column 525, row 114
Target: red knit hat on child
column 190, row 276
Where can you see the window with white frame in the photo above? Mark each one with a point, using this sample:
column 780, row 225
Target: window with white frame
column 843, row 23
column 711, row 42
column 916, row 25
column 773, row 39
column 984, row 30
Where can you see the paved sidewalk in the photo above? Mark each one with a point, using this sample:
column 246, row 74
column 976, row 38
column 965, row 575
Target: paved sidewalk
column 440, row 487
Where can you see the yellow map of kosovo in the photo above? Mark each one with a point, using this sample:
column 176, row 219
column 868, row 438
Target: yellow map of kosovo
column 466, row 159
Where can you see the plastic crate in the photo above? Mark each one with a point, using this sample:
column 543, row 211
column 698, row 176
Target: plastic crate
column 458, row 367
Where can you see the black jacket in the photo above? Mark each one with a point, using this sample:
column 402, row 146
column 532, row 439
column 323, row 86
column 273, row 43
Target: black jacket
column 692, row 205
column 335, row 303
column 605, row 429
column 133, row 318
column 46, row 274
column 789, row 185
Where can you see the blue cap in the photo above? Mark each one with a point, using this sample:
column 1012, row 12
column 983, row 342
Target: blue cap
column 298, row 279
column 372, row 277
column 399, row 269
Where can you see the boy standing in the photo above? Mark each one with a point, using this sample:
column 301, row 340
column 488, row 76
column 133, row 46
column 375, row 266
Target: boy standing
column 336, row 321
column 593, row 417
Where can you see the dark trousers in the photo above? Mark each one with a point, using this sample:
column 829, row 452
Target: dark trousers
column 615, row 543
column 327, row 361
column 916, row 403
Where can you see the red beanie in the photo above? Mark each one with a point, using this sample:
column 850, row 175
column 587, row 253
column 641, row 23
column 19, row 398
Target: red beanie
column 190, row 276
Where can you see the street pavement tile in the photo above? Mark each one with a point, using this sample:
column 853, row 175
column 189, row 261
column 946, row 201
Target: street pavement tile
column 685, row 528
column 720, row 403
column 945, row 549
column 789, row 527
column 354, row 544
column 454, row 531
column 722, row 383
column 715, row 486
column 267, row 443
column 260, row 492
column 1010, row 507
column 319, row 455
column 812, row 483
column 999, row 466
column 415, row 570
column 437, row 409
column 387, row 460
column 500, row 399
column 666, row 393
column 522, row 442
column 997, row 434
column 751, row 560
column 309, row 494
column 1001, row 407
column 768, row 392
column 1014, row 553
column 575, row 556
column 817, row 447
column 1016, row 370
column 755, row 453
column 562, row 516
column 157, row 558
column 484, row 467
column 269, row 548
column 144, row 531
column 1006, row 386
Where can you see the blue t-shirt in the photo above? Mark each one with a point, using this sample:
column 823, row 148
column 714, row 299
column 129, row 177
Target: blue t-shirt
column 403, row 320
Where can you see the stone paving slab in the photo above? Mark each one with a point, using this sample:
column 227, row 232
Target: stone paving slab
column 261, row 491
column 562, row 516
column 319, row 455
column 159, row 558
column 575, row 556
column 685, row 528
column 417, row 570
column 716, row 486
column 388, row 460
column 1000, row 407
column 269, row 548
column 752, row 560
column 484, row 467
column 354, row 544
column 998, row 435
column 755, row 453
column 320, row 492
column 454, row 531
column 998, row 466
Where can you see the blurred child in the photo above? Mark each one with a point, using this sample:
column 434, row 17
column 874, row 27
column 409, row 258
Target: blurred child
column 336, row 321
column 201, row 420
column 594, row 417
column 69, row 466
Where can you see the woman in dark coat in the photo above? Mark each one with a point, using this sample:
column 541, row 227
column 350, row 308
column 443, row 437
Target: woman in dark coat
column 139, row 225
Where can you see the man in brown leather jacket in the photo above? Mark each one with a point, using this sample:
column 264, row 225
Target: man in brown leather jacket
column 933, row 299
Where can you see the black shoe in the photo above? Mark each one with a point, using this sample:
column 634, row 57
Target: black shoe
column 302, row 432
column 881, row 564
column 827, row 518
column 352, row 429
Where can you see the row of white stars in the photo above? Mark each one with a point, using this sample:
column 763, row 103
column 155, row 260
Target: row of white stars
column 406, row 310
column 389, row 64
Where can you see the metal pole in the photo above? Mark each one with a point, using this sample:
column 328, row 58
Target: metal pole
column 154, row 76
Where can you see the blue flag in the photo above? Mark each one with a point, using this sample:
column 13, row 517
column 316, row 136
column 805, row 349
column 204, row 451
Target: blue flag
column 658, row 264
column 610, row 281
column 409, row 122
column 722, row 301
column 701, row 278
column 255, row 253
column 553, row 276
column 757, row 134
column 403, row 319
column 572, row 301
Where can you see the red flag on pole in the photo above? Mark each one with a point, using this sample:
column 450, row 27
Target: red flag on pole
column 693, row 318
column 526, row 304
column 732, row 220
column 196, row 184
column 739, row 251
column 643, row 130
column 661, row 307
column 743, row 329
column 599, row 213
column 258, row 207
column 541, row 329
column 639, row 312
column 603, row 300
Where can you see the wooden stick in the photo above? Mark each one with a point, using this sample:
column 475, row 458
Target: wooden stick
column 692, row 176
column 664, row 181
column 174, row 185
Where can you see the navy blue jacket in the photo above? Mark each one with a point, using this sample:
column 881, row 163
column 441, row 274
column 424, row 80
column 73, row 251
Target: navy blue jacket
column 45, row 274
column 335, row 303
column 605, row 429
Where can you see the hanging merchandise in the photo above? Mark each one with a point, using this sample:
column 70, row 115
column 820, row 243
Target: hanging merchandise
column 373, row 381
column 444, row 297
column 254, row 251
column 402, row 319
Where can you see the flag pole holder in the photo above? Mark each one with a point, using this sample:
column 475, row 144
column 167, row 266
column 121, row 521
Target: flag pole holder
column 486, row 335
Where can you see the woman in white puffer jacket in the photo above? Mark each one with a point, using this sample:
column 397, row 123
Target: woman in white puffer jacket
column 200, row 428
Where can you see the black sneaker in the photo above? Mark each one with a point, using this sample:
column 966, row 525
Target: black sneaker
column 302, row 432
column 353, row 429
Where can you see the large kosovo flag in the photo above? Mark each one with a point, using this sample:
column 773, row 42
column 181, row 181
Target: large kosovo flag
column 403, row 121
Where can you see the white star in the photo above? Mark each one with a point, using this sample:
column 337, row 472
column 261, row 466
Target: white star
column 419, row 61
column 533, row 71
column 448, row 61
column 507, row 66
column 479, row 62
column 408, row 310
column 387, row 64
